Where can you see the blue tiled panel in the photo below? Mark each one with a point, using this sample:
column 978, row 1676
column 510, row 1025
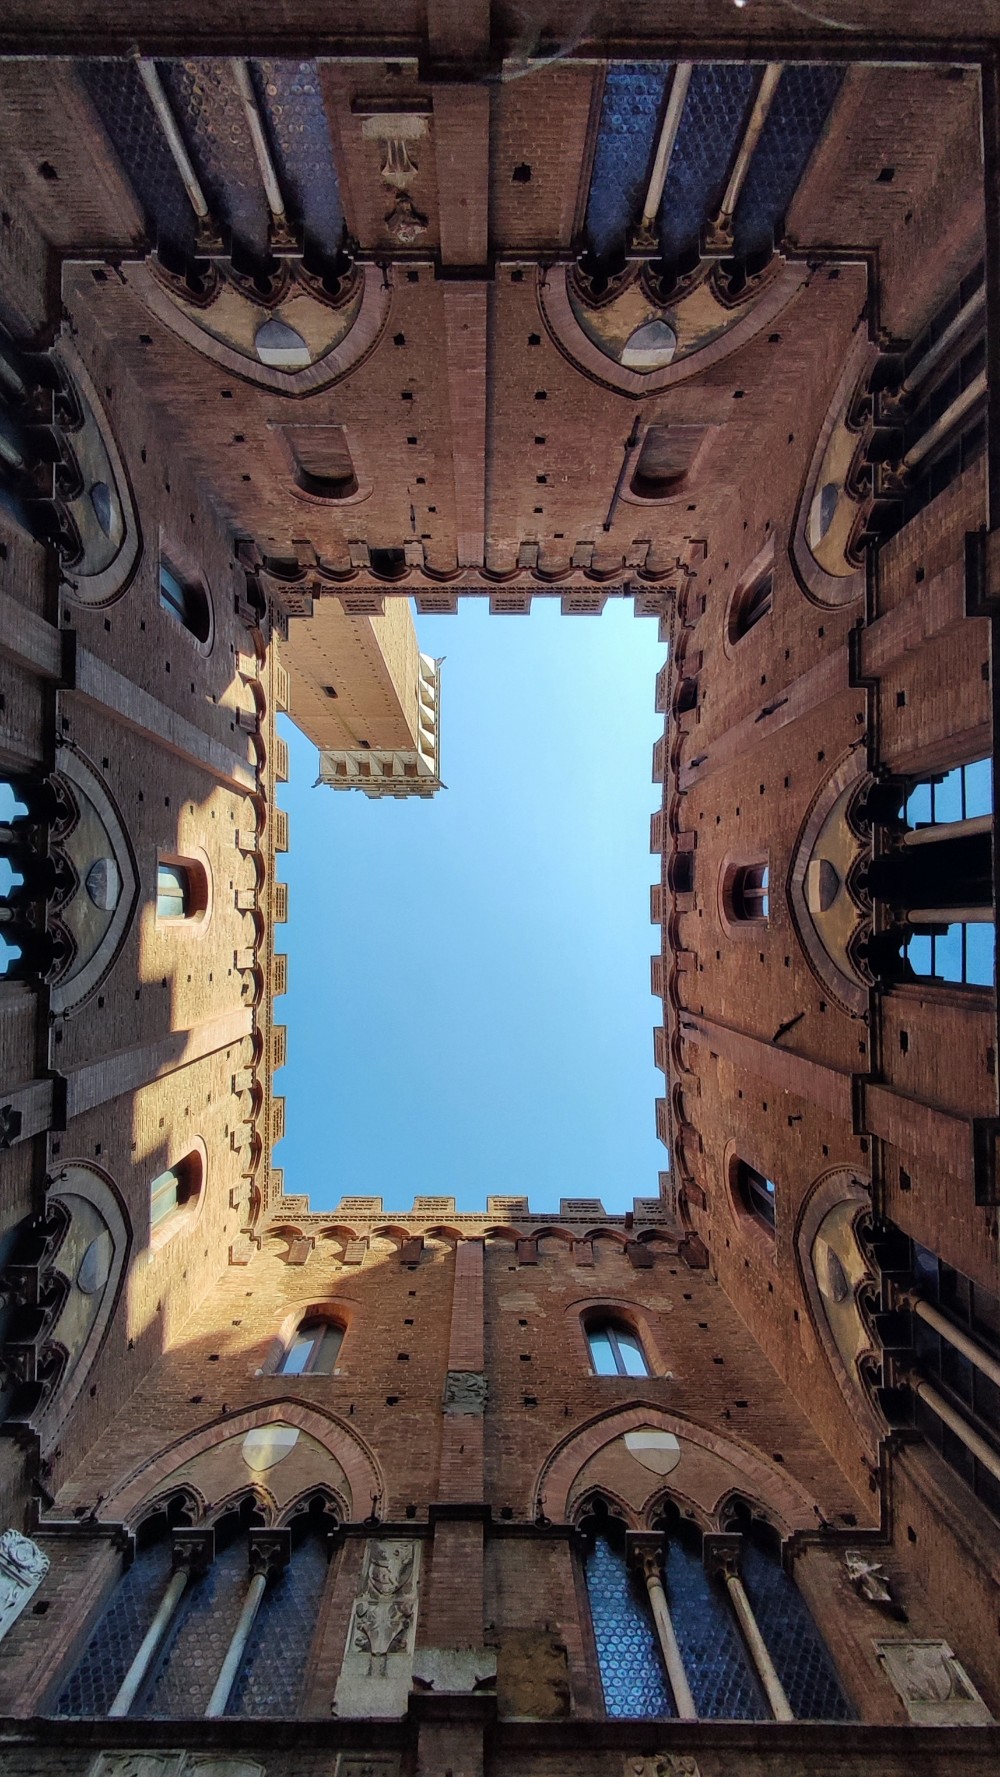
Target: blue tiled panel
column 190, row 1661
column 793, row 1641
column 270, row 1677
column 628, row 1653
column 212, row 121
column 124, row 108
column 793, row 127
column 97, row 1677
column 722, row 1679
column 711, row 128
column 626, row 142
column 291, row 100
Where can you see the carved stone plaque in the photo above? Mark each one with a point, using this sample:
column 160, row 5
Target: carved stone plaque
column 934, row 1686
column 662, row 1764
column 23, row 1566
column 465, row 1392
column 378, row 1661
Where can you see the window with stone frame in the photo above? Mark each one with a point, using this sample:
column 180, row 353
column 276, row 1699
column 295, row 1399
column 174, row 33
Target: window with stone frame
column 754, row 1195
column 615, row 1348
column 185, row 598
column 313, row 1348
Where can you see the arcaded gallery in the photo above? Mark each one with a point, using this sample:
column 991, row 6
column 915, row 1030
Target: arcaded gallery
column 317, row 322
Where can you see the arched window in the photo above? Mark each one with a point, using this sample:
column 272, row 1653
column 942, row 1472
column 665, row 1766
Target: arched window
column 92, row 1685
column 952, row 1393
column 671, row 1602
column 186, row 600
column 314, row 1349
column 797, row 1649
column 322, row 461
column 755, row 1194
column 187, row 1670
column 615, row 1350
column 751, row 602
column 175, row 1191
column 181, row 889
column 935, row 875
column 269, row 1680
column 665, row 460
column 632, row 1675
column 747, row 892
column 719, row 1670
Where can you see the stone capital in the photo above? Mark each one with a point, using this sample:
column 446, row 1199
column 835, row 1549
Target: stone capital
column 193, row 1551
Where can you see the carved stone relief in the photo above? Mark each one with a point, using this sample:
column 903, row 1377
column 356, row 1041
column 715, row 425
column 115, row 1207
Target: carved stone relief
column 935, row 1688
column 360, row 1764
column 872, row 1583
column 384, row 1614
column 663, row 1764
column 465, row 1391
column 23, row 1566
column 378, row 1663
column 173, row 1764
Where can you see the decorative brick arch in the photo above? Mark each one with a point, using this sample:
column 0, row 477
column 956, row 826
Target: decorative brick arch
column 358, row 1461
column 763, row 1480
column 360, row 340
column 566, row 333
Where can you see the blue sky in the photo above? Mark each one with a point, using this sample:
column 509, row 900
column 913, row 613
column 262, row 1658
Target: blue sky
column 468, row 1006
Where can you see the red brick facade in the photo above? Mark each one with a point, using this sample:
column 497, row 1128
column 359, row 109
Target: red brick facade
column 775, row 442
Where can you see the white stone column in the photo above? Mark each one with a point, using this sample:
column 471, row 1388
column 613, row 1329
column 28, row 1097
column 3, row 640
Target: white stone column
column 193, row 1551
column 722, row 1557
column 646, row 1556
column 270, row 1551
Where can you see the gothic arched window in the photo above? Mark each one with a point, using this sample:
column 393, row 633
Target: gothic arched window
column 269, row 1679
column 935, row 876
column 797, row 1649
column 96, row 1678
column 681, row 1623
column 632, row 1675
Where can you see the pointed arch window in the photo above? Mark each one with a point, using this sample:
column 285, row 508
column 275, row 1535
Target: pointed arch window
column 935, row 874
column 680, row 1624
column 632, row 1676
column 270, row 1677
column 313, row 1349
column 615, row 1349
